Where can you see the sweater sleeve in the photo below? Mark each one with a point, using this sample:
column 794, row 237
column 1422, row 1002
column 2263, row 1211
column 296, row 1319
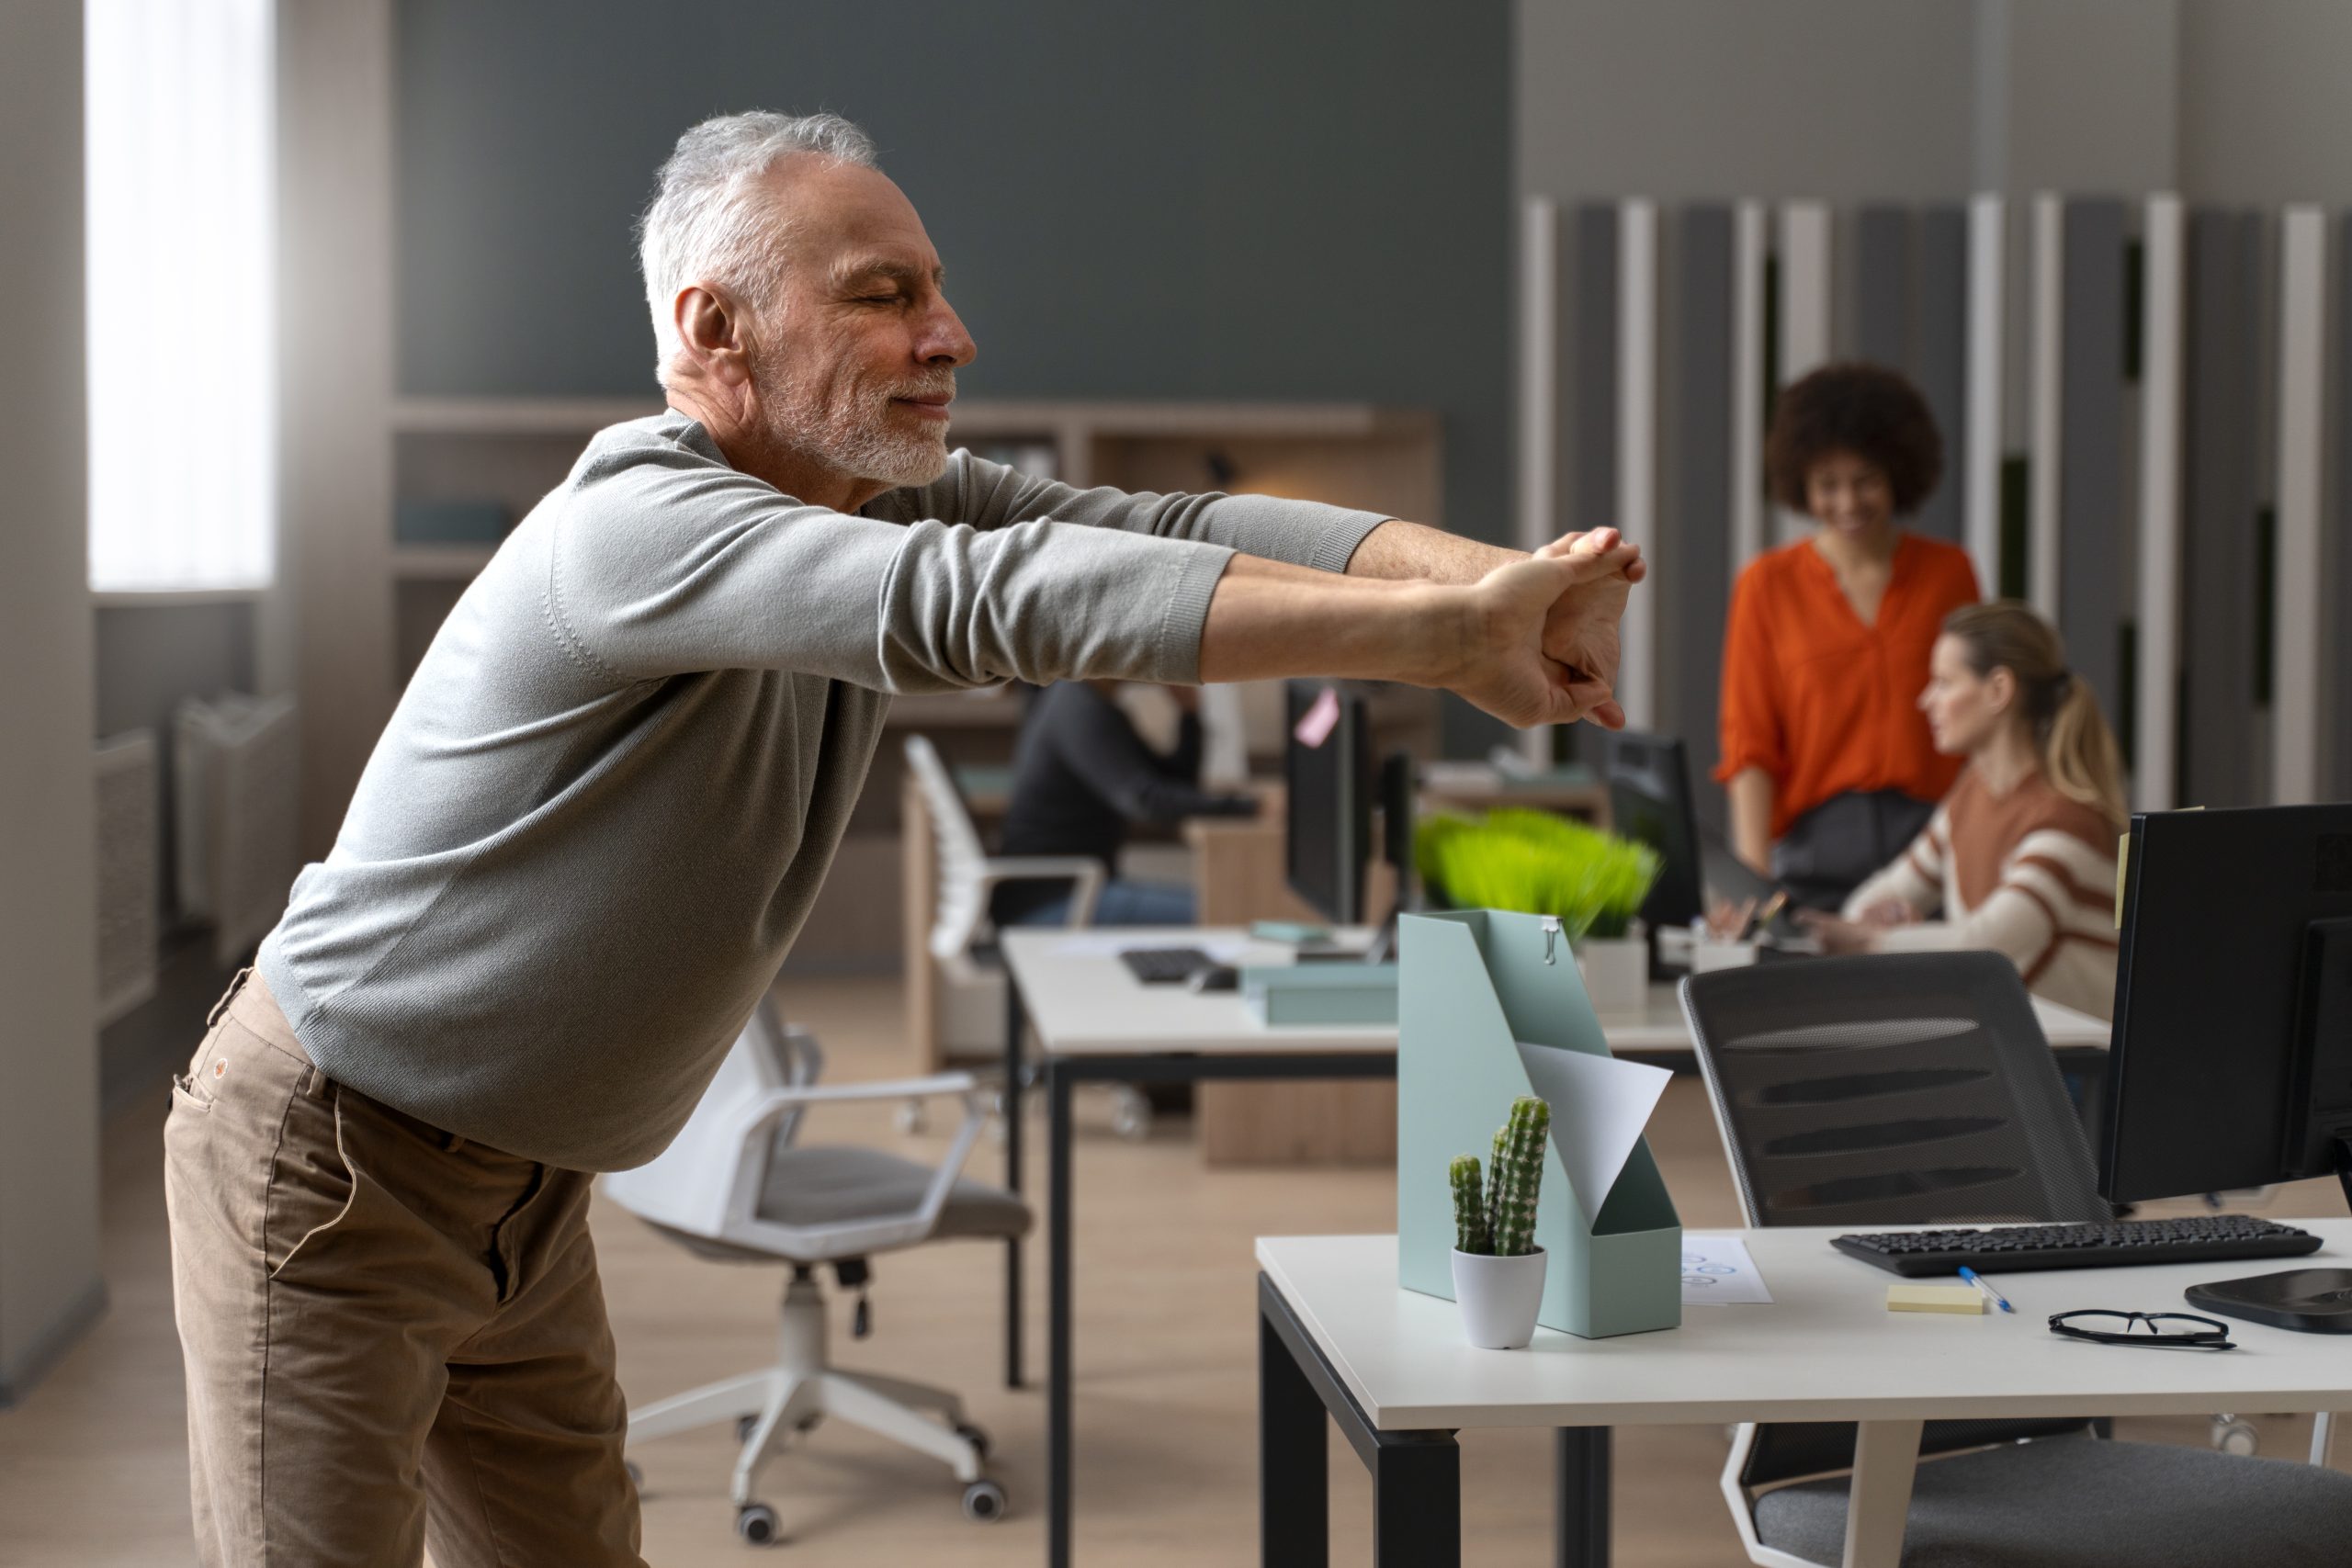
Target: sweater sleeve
column 1096, row 743
column 1915, row 878
column 1303, row 533
column 668, row 561
column 2010, row 921
column 1751, row 732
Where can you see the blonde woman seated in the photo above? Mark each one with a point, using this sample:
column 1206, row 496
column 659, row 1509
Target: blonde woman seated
column 2020, row 855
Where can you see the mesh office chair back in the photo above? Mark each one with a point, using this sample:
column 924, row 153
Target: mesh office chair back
column 1902, row 1089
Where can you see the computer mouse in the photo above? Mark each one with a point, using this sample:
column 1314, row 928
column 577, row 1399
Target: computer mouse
column 1213, row 977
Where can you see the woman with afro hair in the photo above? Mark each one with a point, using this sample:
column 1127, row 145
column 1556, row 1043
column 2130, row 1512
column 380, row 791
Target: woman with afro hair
column 1830, row 767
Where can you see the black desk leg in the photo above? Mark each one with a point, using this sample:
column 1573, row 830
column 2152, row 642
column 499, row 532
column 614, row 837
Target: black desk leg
column 1417, row 1504
column 1581, row 1498
column 1293, row 1472
column 1058, row 1329
column 1016, row 1023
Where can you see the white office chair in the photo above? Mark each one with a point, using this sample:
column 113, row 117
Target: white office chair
column 961, row 933
column 735, row 1187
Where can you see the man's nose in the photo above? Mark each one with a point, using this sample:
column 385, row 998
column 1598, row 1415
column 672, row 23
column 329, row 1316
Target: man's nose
column 944, row 340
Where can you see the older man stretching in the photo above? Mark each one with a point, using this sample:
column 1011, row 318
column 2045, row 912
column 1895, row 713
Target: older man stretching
column 603, row 806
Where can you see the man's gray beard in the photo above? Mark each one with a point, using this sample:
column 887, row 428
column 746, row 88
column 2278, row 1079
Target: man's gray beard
column 893, row 459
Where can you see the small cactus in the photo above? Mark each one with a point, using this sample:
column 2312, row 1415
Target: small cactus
column 1470, row 1231
column 1500, row 1219
column 1517, row 1174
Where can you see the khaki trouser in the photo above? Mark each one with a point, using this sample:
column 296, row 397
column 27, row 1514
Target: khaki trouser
column 394, row 1337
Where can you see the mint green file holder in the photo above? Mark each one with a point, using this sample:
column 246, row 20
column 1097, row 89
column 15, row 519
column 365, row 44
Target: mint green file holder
column 1472, row 984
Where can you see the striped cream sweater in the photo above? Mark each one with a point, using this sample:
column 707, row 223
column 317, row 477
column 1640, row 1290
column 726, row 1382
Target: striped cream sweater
column 2031, row 874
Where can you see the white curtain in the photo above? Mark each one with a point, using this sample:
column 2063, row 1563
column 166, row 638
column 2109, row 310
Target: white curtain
column 183, row 342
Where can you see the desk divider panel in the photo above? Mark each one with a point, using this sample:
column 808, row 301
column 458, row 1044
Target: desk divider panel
column 1474, row 984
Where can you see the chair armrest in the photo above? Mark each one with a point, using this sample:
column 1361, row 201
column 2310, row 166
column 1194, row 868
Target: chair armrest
column 1083, row 871
column 811, row 1243
column 880, row 1088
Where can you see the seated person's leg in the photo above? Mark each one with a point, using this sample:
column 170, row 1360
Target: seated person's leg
column 1125, row 903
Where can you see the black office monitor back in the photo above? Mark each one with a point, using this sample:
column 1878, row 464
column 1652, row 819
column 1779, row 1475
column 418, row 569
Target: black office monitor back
column 1649, row 801
column 2232, row 1061
column 1328, row 800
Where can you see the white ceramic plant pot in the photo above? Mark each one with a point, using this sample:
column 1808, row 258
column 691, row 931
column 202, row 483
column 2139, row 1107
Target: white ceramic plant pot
column 1616, row 971
column 1500, row 1298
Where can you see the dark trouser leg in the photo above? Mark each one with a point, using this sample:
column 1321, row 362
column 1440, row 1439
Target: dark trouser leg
column 1293, row 1479
column 1580, row 1501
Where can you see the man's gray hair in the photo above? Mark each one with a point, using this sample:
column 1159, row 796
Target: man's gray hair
column 710, row 220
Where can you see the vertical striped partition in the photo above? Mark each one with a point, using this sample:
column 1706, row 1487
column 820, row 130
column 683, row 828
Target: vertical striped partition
column 1980, row 479
column 2297, row 718
column 2155, row 761
column 2220, row 507
column 1638, row 445
column 1656, row 336
column 2047, row 445
column 2092, row 536
column 1940, row 353
column 1696, row 485
column 2338, row 697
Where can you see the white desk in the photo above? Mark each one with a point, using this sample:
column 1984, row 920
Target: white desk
column 1083, row 1002
column 1826, row 1350
column 1095, row 1021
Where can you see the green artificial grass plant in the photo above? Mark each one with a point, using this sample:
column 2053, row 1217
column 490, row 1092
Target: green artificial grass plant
column 1536, row 864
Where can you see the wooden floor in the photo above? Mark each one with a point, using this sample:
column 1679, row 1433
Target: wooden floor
column 93, row 1464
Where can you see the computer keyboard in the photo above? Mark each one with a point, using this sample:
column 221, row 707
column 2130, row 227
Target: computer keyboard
column 1164, row 965
column 2016, row 1250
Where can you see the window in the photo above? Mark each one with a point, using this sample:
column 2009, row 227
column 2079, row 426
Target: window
column 182, row 342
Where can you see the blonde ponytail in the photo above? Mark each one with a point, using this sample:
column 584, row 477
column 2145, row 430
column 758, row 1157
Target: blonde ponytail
column 2078, row 753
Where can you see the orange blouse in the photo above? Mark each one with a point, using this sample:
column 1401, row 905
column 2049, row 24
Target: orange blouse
column 1823, row 703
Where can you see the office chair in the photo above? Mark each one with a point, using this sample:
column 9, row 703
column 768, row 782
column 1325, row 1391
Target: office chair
column 736, row 1186
column 962, row 938
column 1844, row 1087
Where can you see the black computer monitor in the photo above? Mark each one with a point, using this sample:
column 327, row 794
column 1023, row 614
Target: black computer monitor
column 2231, row 1058
column 1649, row 801
column 1329, row 791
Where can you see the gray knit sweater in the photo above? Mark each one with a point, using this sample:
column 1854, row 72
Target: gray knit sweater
column 603, row 808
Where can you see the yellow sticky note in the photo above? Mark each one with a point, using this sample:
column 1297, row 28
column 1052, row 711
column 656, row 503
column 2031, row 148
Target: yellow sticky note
column 1966, row 1299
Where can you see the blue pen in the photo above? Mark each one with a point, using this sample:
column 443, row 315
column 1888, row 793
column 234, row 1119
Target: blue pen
column 1973, row 1278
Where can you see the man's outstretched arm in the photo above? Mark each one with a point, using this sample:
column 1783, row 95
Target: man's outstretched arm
column 1487, row 641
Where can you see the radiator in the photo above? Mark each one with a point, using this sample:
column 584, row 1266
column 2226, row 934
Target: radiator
column 236, row 767
column 127, row 871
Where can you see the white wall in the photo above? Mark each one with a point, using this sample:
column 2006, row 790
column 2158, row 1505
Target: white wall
column 1683, row 100
column 2265, row 113
column 49, row 1097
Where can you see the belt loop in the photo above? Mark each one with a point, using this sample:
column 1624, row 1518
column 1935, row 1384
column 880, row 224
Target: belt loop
column 227, row 997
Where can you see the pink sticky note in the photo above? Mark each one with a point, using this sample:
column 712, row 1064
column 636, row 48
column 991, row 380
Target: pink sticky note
column 1315, row 725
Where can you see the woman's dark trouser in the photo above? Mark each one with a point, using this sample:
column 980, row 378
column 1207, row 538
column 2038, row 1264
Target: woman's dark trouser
column 1840, row 844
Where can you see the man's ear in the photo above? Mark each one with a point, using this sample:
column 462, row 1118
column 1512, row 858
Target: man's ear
column 711, row 331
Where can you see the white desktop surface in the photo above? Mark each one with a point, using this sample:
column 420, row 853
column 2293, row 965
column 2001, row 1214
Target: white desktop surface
column 1084, row 1002
column 1826, row 1350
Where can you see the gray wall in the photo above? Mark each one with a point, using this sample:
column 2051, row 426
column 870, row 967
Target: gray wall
column 1210, row 200
column 1840, row 100
column 2265, row 116
column 48, row 1173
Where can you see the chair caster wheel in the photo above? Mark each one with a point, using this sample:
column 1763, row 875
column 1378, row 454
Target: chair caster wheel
column 636, row 1474
column 1131, row 1115
column 984, row 1502
column 974, row 1436
column 2235, row 1438
column 910, row 1119
column 808, row 1422
column 757, row 1524
column 744, row 1427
